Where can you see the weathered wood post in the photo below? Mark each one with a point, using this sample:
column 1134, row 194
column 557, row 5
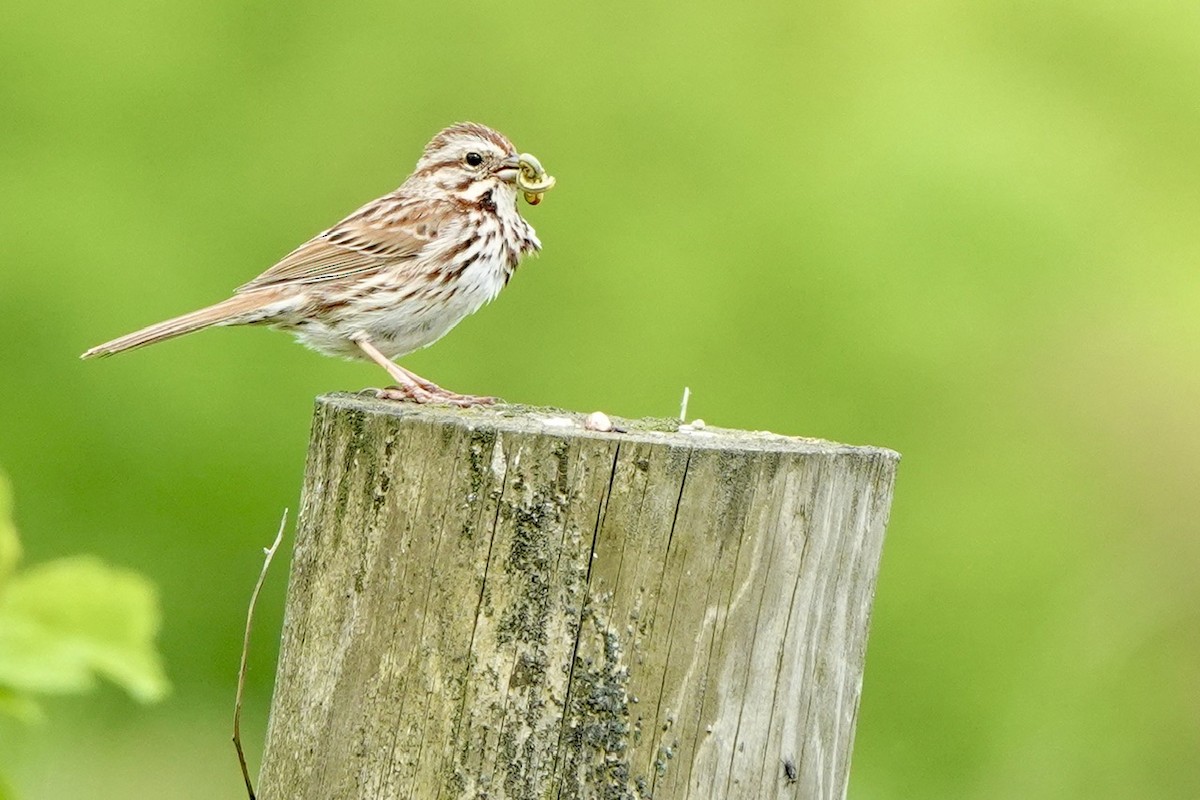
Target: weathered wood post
column 497, row 603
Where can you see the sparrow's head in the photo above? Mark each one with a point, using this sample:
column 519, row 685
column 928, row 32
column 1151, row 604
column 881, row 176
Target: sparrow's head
column 469, row 160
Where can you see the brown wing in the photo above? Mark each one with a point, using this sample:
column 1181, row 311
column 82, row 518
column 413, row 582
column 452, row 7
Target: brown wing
column 380, row 234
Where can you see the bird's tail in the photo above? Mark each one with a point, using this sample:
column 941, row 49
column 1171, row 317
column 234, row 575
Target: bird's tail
column 224, row 312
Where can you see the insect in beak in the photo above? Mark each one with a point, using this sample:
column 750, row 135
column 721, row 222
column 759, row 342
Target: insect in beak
column 528, row 174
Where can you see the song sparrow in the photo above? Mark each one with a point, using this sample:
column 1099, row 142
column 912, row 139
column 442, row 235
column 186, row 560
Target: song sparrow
column 400, row 272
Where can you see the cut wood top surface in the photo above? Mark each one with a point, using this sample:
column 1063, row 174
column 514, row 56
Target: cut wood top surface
column 556, row 421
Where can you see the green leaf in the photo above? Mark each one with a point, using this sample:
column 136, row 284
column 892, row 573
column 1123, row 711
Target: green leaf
column 67, row 621
column 10, row 545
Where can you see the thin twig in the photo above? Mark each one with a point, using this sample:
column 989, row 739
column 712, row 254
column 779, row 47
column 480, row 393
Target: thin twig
column 268, row 554
column 687, row 393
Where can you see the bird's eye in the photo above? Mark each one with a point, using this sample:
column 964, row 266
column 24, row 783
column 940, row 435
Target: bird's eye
column 474, row 159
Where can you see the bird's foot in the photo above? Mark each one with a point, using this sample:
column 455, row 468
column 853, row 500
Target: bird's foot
column 432, row 393
column 414, row 394
column 447, row 396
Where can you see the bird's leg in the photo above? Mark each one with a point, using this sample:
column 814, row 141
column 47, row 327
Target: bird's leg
column 406, row 388
column 413, row 387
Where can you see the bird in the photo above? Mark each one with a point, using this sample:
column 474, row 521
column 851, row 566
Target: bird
column 401, row 271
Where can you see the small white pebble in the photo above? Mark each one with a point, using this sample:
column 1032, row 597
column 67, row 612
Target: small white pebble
column 698, row 424
column 598, row 421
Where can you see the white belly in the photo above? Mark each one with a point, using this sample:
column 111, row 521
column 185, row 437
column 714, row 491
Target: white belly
column 407, row 324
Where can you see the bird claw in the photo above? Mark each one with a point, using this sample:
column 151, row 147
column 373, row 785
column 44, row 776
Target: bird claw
column 431, row 393
column 468, row 400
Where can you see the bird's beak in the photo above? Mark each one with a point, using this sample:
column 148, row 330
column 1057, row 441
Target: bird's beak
column 510, row 168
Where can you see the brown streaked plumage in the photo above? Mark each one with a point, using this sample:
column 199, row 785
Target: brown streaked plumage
column 400, row 272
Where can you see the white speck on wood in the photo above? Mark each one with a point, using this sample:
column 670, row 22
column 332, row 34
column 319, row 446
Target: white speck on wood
column 598, row 421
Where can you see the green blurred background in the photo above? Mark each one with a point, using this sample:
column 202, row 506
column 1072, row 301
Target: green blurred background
column 966, row 231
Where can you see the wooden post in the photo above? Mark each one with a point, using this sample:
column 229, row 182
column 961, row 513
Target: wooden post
column 497, row 603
